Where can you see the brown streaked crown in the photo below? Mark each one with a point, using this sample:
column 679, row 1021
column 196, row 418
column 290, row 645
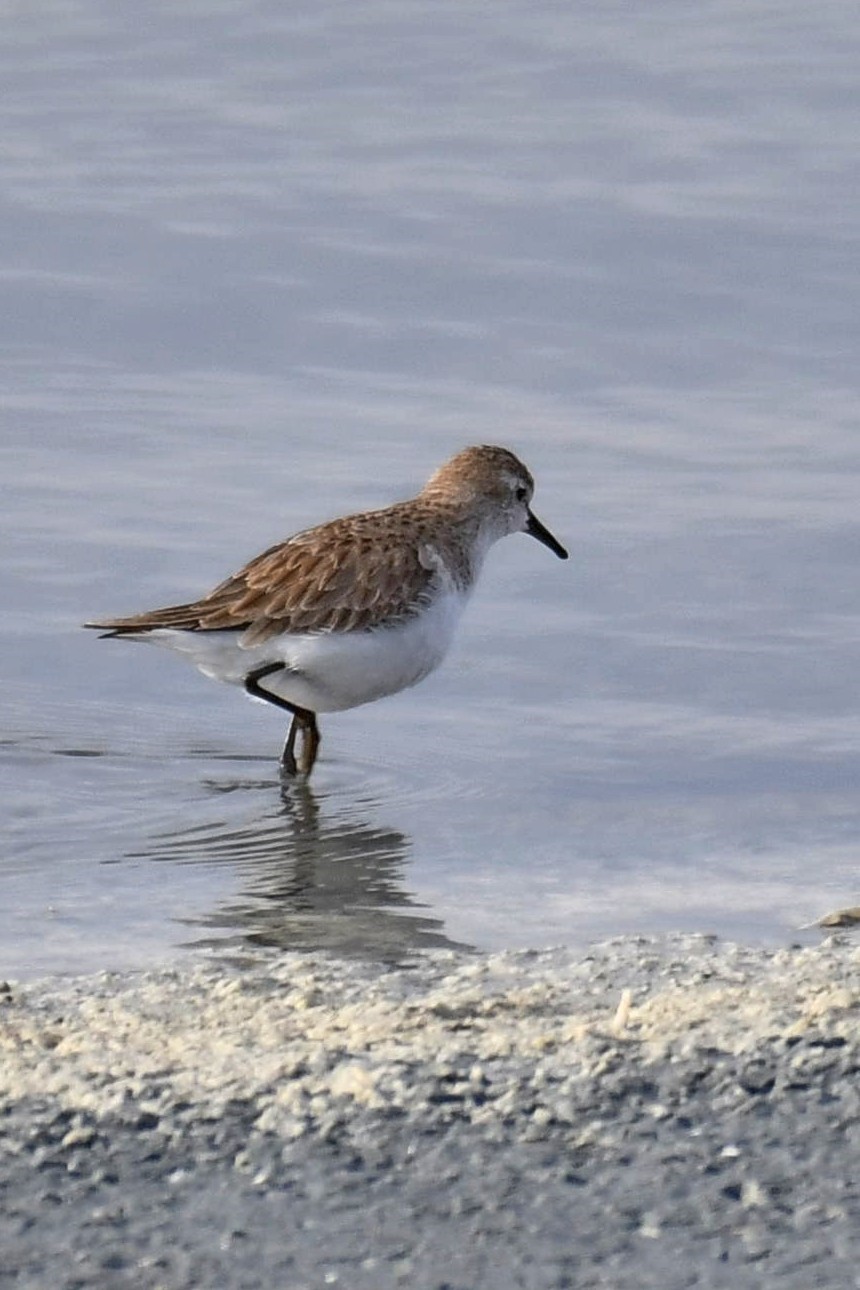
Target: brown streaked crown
column 482, row 470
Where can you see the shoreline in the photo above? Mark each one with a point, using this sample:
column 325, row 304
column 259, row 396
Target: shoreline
column 669, row 1111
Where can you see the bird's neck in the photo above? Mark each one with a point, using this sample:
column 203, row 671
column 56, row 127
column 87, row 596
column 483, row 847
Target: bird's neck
column 463, row 540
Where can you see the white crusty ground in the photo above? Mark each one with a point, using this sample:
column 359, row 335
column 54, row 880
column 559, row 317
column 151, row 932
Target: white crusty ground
column 306, row 1038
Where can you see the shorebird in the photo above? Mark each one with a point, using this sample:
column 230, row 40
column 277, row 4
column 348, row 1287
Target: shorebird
column 355, row 609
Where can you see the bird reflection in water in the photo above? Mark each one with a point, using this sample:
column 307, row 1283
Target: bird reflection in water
column 310, row 878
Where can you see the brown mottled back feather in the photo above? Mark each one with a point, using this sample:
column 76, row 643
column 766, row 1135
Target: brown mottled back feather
column 335, row 577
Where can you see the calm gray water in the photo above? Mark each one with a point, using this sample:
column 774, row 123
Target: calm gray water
column 262, row 264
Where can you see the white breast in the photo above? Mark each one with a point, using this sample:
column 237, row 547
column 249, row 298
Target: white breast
column 333, row 671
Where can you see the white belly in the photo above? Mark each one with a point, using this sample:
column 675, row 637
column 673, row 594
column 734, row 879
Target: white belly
column 330, row 671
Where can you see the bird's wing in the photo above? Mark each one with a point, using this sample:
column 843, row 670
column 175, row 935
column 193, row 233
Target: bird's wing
column 336, row 577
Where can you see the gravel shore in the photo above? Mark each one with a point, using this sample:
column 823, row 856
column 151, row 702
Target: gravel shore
column 660, row 1113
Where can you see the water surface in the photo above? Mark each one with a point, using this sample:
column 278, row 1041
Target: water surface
column 261, row 266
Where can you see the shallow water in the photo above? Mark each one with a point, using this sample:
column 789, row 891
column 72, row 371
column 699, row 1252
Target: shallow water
column 261, row 267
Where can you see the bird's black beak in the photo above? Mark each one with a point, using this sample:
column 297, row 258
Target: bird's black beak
column 537, row 530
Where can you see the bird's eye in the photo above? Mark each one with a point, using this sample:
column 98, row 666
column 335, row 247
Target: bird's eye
column 522, row 494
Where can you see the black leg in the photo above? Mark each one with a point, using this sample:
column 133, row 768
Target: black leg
column 288, row 756
column 303, row 719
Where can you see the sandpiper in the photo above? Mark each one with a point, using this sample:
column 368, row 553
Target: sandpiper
column 354, row 609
